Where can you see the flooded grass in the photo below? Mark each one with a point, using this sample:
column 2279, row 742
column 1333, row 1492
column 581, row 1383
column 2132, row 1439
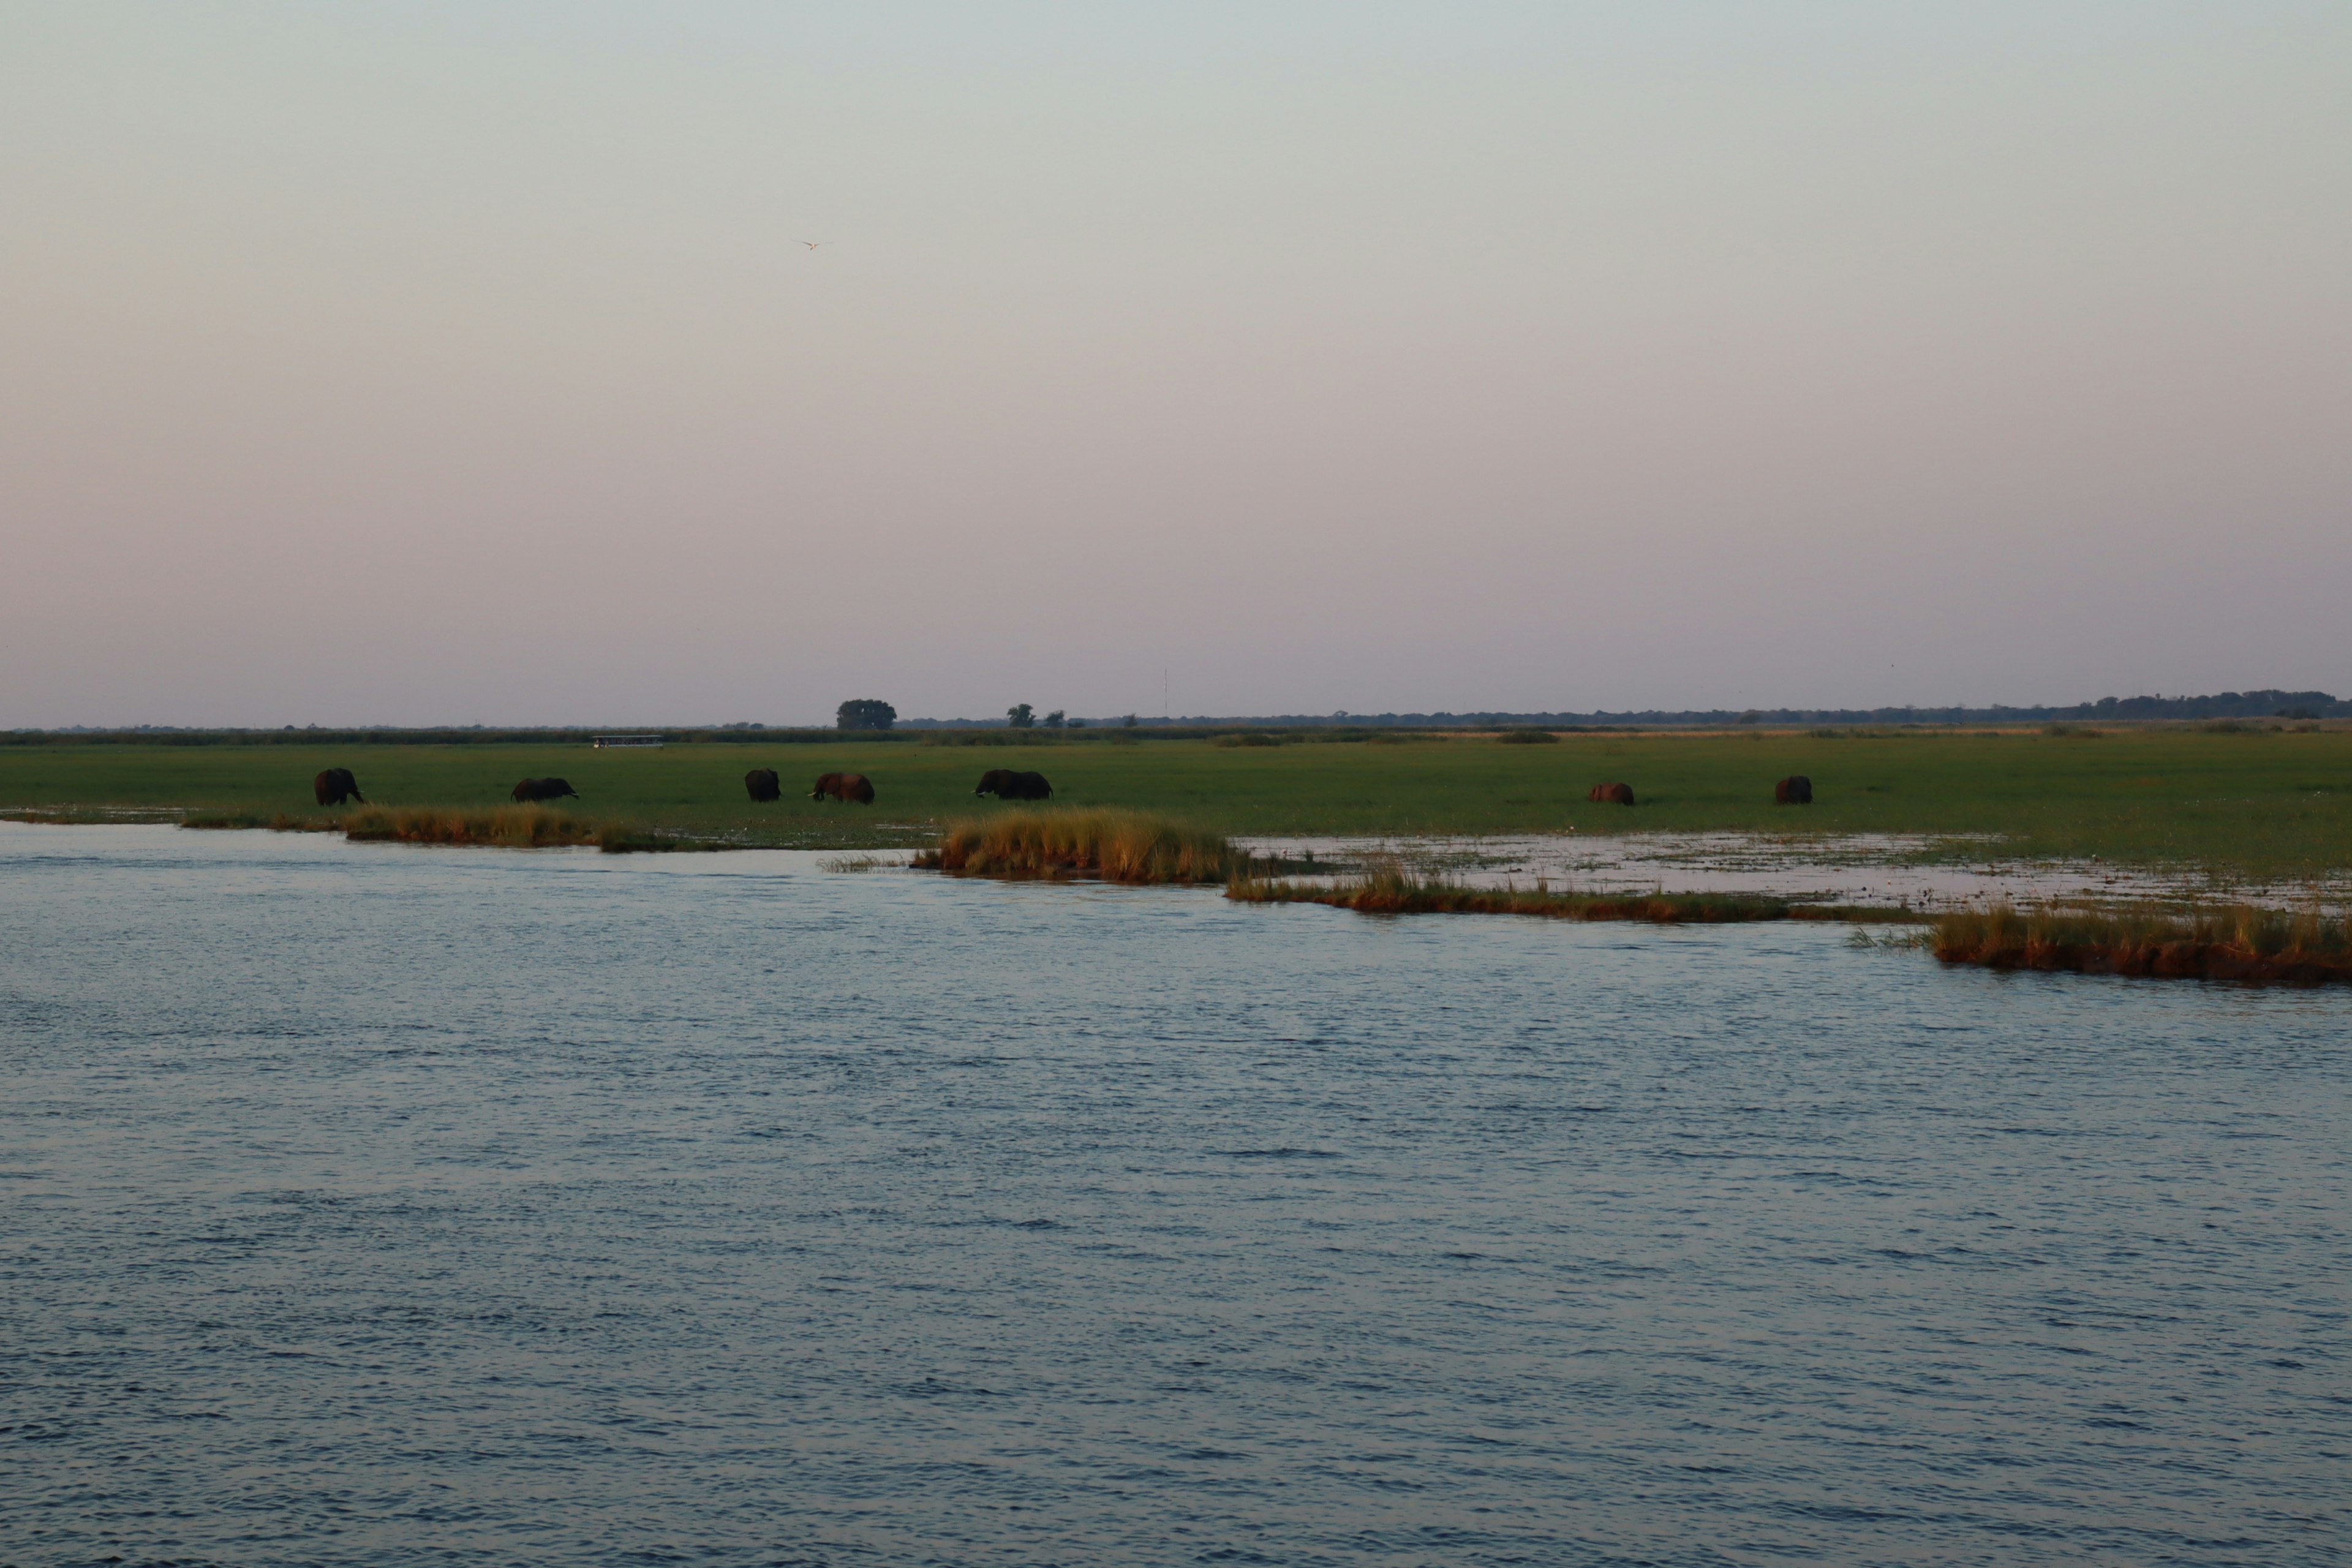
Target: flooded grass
column 1113, row 845
column 1389, row 888
column 2240, row 943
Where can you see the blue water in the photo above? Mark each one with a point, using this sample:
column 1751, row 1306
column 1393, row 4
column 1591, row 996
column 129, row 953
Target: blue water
column 375, row 1204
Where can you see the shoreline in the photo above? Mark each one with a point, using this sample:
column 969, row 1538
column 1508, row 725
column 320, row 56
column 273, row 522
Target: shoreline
column 2168, row 939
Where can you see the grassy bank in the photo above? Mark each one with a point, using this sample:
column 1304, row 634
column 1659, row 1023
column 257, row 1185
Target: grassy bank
column 1391, row 890
column 2240, row 944
column 1116, row 846
column 2257, row 802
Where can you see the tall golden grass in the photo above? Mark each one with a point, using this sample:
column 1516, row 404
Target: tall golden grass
column 1114, row 845
column 2233, row 942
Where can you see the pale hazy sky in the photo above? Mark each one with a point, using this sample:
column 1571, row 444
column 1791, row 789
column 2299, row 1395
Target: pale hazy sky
column 462, row 362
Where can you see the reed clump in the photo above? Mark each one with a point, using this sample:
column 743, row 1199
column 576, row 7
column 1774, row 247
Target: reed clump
column 2241, row 941
column 1116, row 846
column 1389, row 888
column 1527, row 738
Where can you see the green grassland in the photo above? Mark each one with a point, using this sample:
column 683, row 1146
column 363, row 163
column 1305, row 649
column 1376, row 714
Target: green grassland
column 2259, row 801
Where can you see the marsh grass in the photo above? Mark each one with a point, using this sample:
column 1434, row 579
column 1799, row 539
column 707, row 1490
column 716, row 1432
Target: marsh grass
column 1116, row 846
column 1388, row 887
column 1527, row 738
column 2240, row 942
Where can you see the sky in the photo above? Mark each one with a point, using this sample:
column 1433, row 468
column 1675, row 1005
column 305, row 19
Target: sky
column 466, row 362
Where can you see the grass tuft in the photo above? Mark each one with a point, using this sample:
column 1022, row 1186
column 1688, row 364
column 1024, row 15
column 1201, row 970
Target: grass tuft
column 1116, row 846
column 2240, row 943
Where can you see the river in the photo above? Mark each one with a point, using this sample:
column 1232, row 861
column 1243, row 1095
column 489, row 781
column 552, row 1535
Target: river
column 381, row 1205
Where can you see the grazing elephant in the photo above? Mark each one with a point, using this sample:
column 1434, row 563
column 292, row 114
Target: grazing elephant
column 1794, row 790
column 544, row 789
column 844, row 787
column 763, row 785
column 1613, row 793
column 1006, row 784
column 335, row 787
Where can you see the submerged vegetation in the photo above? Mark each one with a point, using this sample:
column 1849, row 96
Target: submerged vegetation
column 853, row 864
column 2239, row 942
column 1116, row 846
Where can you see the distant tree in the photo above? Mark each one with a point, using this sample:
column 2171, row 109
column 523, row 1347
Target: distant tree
column 1750, row 717
column 1055, row 720
column 865, row 714
column 1021, row 716
column 1078, row 723
column 1128, row 722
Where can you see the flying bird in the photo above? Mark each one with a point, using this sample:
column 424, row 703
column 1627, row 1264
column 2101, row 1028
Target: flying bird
column 813, row 243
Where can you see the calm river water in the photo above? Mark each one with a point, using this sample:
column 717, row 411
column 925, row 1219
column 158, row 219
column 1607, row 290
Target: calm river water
column 373, row 1204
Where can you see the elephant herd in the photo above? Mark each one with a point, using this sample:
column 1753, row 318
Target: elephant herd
column 336, row 785
column 333, row 787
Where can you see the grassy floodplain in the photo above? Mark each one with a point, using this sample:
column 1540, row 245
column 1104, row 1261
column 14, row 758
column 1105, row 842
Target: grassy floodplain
column 2255, row 800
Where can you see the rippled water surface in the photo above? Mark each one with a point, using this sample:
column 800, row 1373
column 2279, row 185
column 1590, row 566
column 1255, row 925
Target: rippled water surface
column 386, row 1206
